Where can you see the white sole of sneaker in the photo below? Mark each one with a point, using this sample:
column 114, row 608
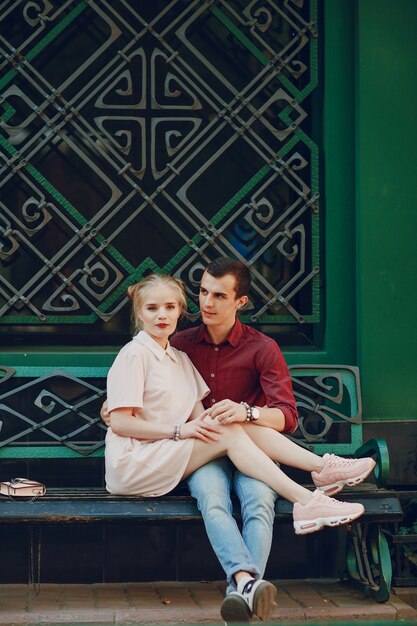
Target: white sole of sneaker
column 331, row 490
column 311, row 526
column 264, row 600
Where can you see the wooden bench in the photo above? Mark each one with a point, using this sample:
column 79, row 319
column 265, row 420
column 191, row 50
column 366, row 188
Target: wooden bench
column 53, row 415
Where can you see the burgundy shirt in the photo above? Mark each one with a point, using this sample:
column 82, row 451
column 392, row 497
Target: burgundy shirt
column 247, row 366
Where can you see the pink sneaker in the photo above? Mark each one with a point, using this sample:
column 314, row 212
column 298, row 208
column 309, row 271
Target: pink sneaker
column 338, row 472
column 323, row 511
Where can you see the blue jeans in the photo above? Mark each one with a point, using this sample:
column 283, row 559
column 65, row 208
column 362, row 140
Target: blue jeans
column 211, row 486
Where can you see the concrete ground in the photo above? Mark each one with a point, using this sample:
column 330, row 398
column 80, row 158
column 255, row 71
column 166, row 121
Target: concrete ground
column 194, row 603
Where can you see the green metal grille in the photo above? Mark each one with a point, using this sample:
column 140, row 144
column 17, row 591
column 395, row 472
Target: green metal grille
column 49, row 413
column 156, row 136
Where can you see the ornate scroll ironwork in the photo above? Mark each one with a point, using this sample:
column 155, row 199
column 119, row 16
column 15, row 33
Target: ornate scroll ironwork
column 329, row 407
column 44, row 407
column 55, row 409
column 156, row 136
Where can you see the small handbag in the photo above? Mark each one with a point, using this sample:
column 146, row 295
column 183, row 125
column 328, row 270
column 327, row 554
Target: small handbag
column 22, row 487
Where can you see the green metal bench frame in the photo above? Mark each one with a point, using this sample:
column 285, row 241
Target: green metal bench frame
column 64, row 424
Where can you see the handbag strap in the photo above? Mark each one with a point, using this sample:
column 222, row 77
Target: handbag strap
column 35, row 554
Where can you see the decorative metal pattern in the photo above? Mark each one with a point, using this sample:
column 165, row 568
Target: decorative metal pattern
column 56, row 408
column 329, row 407
column 369, row 559
column 155, row 136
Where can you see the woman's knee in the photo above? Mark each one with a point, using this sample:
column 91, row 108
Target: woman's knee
column 233, row 433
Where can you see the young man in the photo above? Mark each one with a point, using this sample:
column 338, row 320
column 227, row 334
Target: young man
column 239, row 364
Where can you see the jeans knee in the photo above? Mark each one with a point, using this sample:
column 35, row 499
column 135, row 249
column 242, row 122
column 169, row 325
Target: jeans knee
column 257, row 500
column 210, row 486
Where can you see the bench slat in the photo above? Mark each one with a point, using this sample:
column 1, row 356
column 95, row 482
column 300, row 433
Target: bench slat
column 96, row 505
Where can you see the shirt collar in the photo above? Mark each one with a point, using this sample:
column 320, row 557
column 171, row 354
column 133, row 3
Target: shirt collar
column 232, row 338
column 157, row 350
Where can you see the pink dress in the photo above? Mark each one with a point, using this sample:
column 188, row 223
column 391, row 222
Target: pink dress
column 165, row 385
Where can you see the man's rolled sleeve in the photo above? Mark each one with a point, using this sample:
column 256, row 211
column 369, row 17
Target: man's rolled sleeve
column 275, row 380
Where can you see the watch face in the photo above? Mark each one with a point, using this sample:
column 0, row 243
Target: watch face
column 255, row 413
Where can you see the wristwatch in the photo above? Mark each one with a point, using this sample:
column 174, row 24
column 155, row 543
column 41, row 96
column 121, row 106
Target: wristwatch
column 255, row 413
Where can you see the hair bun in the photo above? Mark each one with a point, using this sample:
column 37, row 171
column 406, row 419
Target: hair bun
column 131, row 291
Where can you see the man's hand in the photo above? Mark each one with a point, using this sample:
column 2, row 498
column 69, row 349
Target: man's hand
column 200, row 429
column 104, row 414
column 227, row 412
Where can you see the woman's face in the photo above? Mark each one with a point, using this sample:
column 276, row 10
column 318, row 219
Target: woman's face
column 159, row 312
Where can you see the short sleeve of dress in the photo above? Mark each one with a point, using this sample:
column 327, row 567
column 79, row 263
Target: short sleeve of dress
column 202, row 389
column 125, row 382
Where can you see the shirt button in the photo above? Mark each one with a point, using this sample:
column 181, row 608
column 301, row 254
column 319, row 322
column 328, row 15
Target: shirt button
column 213, row 400
column 216, row 349
column 212, row 375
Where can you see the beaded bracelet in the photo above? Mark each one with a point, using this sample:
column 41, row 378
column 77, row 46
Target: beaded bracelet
column 176, row 434
column 248, row 411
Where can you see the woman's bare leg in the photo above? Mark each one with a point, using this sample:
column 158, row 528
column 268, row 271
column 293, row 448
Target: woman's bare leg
column 249, row 459
column 279, row 448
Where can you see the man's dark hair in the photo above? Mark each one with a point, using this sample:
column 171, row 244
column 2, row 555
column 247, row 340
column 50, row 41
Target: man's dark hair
column 224, row 265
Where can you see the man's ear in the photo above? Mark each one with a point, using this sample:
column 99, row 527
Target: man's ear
column 242, row 301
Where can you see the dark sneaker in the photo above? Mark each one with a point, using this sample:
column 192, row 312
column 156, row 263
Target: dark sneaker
column 259, row 595
column 235, row 609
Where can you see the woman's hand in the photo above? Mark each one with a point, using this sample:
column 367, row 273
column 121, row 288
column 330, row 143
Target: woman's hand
column 199, row 429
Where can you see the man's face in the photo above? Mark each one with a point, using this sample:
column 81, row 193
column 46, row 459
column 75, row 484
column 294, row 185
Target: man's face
column 218, row 302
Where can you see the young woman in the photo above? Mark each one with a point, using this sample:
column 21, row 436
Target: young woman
column 159, row 432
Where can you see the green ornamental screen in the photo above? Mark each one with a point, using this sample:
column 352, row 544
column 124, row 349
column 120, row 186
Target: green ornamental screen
column 155, row 136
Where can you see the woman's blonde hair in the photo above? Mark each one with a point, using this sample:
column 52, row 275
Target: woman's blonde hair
column 136, row 293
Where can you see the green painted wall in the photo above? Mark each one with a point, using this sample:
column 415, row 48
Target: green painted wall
column 334, row 340
column 338, row 175
column 386, row 202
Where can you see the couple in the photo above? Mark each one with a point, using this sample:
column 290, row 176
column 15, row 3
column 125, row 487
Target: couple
column 175, row 417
